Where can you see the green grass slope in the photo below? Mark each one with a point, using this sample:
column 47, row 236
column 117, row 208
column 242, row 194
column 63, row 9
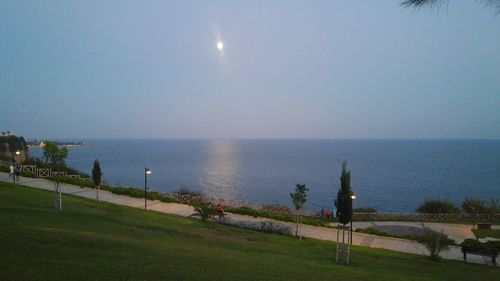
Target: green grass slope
column 90, row 241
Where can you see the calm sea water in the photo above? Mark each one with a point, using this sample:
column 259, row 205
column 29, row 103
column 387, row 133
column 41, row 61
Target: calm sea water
column 389, row 175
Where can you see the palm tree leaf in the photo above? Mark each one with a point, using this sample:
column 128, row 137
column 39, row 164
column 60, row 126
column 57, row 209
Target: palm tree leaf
column 438, row 3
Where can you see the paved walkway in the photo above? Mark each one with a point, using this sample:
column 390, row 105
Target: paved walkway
column 455, row 231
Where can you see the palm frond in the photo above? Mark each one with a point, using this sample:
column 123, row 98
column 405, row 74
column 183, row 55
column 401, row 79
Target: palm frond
column 422, row 3
column 439, row 3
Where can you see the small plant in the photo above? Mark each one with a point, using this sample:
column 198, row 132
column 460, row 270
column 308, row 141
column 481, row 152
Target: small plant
column 204, row 211
column 435, row 242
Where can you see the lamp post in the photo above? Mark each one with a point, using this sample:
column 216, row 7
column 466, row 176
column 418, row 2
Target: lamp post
column 353, row 196
column 14, row 155
column 147, row 171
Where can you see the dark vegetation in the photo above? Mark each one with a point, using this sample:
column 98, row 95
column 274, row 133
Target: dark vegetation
column 495, row 4
column 364, row 210
column 487, row 246
column 437, row 206
column 483, row 233
column 474, row 205
column 11, row 144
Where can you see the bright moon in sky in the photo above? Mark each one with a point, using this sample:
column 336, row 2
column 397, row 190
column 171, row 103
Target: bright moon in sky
column 220, row 46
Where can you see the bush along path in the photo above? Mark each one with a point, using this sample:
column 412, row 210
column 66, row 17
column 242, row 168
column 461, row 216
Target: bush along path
column 308, row 231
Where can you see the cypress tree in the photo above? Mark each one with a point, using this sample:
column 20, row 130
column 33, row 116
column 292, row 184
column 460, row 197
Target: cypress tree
column 96, row 178
column 96, row 173
column 344, row 202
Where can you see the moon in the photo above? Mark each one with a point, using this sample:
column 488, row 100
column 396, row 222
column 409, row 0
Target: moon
column 220, row 45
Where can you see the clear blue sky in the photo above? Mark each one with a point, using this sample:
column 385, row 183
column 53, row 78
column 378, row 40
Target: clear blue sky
column 289, row 69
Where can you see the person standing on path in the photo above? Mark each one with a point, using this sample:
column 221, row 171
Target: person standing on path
column 11, row 172
column 17, row 171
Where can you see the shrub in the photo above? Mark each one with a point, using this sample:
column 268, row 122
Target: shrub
column 70, row 180
column 487, row 246
column 154, row 195
column 364, row 210
column 248, row 212
column 435, row 242
column 72, row 171
column 204, row 211
column 27, row 174
column 4, row 169
column 130, row 191
column 437, row 206
column 263, row 226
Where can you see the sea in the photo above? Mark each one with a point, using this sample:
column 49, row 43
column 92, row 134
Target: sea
column 388, row 175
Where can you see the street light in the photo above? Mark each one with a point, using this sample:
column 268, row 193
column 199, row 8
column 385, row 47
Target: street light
column 147, row 171
column 353, row 196
column 14, row 155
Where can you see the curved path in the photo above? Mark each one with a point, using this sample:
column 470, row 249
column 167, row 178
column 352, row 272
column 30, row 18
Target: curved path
column 455, row 231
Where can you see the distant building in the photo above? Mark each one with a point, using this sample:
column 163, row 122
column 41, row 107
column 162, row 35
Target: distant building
column 6, row 134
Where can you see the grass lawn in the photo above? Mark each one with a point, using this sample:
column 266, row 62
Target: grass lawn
column 482, row 233
column 90, row 241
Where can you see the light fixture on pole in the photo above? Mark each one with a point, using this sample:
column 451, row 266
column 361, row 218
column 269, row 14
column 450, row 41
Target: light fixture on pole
column 353, row 196
column 147, row 171
column 15, row 172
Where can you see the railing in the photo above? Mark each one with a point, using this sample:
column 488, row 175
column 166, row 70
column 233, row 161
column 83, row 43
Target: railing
column 424, row 217
column 47, row 172
column 274, row 208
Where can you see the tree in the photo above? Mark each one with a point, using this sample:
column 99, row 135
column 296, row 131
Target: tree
column 493, row 207
column 96, row 177
column 439, row 3
column 299, row 198
column 54, row 154
column 344, row 211
column 437, row 206
column 473, row 206
column 10, row 144
column 344, row 202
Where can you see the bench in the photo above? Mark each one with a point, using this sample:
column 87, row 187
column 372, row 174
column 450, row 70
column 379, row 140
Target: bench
column 484, row 226
column 482, row 252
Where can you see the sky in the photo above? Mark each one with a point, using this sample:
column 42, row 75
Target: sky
column 289, row 69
